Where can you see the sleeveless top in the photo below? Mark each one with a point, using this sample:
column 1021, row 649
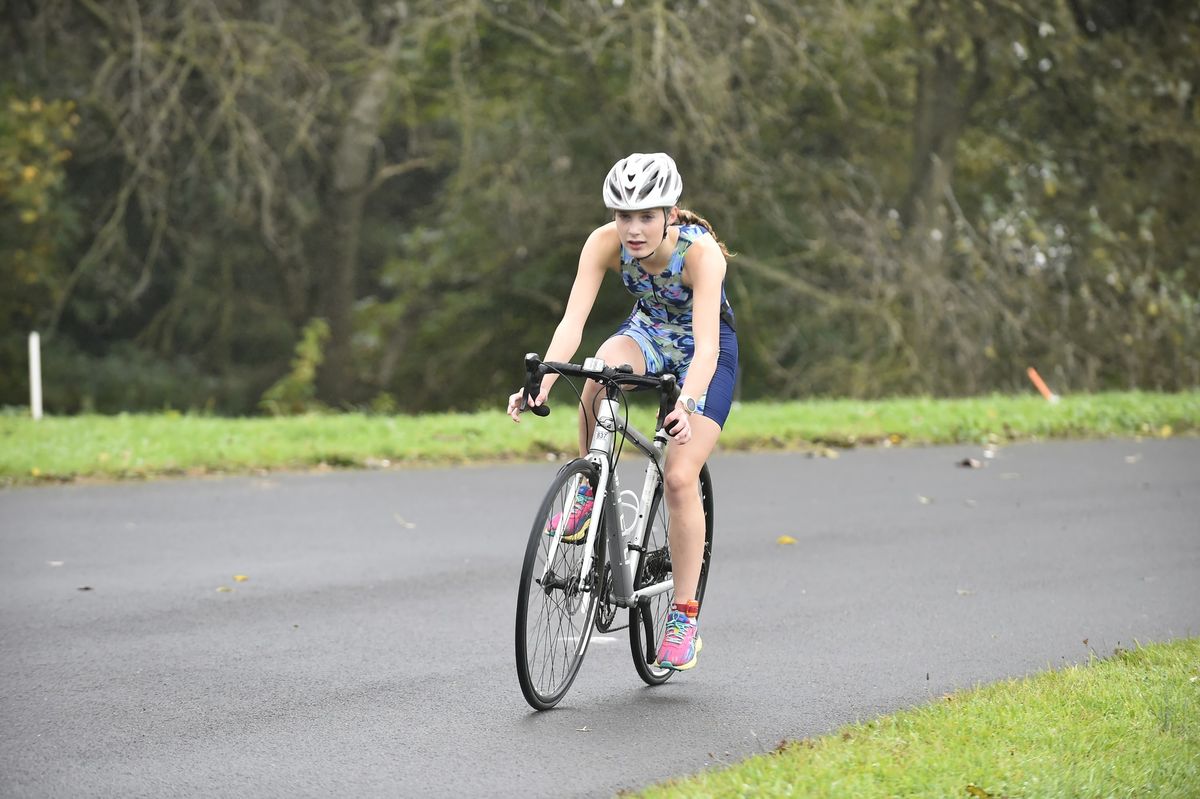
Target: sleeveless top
column 663, row 299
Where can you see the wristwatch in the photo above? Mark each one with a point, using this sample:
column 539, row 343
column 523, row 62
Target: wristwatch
column 689, row 404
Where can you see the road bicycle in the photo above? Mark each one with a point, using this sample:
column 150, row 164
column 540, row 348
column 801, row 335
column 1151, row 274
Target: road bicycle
column 571, row 588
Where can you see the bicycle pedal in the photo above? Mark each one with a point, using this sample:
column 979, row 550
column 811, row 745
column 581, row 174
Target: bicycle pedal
column 636, row 548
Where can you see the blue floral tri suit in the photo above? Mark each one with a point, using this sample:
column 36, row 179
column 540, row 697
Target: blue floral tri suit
column 661, row 325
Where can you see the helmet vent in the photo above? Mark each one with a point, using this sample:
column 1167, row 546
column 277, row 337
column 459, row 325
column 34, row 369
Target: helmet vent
column 643, row 181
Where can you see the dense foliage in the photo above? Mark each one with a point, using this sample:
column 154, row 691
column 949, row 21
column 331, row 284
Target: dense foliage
column 926, row 196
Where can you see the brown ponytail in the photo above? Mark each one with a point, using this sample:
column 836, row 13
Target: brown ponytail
column 686, row 217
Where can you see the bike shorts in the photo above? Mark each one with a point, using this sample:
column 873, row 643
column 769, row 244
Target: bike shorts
column 667, row 351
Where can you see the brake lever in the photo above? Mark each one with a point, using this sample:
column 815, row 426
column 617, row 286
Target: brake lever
column 666, row 403
column 534, row 371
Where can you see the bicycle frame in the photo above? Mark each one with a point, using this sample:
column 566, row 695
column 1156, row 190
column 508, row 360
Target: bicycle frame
column 624, row 557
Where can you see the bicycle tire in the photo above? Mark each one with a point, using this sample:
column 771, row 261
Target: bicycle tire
column 654, row 567
column 555, row 620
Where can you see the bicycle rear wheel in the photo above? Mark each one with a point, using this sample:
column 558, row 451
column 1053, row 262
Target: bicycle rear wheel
column 556, row 606
column 655, row 567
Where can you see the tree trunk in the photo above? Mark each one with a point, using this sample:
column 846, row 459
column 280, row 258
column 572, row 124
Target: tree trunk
column 943, row 107
column 344, row 203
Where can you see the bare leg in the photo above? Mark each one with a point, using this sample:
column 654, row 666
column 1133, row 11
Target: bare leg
column 686, row 531
column 616, row 351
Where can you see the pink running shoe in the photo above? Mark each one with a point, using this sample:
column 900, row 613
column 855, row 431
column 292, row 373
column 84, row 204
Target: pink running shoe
column 681, row 643
column 579, row 519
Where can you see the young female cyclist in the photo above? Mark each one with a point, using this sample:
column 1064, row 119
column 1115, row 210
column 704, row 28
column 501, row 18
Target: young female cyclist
column 682, row 323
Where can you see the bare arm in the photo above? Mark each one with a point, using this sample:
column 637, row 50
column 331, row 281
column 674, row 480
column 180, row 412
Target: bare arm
column 599, row 254
column 704, row 267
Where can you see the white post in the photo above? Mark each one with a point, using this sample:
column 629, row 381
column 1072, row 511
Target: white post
column 35, row 375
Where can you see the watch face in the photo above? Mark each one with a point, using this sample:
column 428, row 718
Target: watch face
column 689, row 405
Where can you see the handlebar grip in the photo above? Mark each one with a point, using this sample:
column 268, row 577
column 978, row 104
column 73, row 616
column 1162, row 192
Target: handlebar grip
column 534, row 370
column 666, row 403
column 670, row 393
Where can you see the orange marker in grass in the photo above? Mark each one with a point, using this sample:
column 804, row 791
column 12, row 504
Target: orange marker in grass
column 1041, row 386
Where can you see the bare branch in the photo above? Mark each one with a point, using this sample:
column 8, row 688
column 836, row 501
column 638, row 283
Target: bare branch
column 394, row 170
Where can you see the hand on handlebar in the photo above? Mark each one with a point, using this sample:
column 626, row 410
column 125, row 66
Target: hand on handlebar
column 514, row 403
column 678, row 425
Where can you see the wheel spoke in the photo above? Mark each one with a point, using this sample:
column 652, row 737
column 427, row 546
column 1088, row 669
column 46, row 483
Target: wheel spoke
column 554, row 613
column 656, row 566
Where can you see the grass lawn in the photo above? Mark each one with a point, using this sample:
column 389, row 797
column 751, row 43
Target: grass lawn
column 1128, row 726
column 146, row 445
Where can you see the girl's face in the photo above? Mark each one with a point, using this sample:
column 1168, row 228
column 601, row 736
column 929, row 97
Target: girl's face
column 641, row 231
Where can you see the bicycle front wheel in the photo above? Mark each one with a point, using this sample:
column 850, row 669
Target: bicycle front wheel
column 557, row 601
column 655, row 567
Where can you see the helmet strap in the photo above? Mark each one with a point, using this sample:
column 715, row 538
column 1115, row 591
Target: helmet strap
column 666, row 227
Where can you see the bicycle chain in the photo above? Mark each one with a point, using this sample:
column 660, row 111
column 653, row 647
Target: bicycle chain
column 607, row 612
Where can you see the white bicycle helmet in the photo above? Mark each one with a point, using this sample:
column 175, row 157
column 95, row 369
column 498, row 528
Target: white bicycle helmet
column 643, row 180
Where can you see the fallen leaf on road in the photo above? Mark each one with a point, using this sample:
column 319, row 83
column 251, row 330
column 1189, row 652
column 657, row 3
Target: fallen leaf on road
column 224, row 589
column 965, row 592
column 785, row 539
column 405, row 523
column 241, row 578
column 971, row 463
column 84, row 588
column 924, row 500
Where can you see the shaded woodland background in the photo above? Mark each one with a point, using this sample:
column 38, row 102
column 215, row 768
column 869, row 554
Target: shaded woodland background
column 248, row 206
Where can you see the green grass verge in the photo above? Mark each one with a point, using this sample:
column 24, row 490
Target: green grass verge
column 1128, row 726
column 133, row 446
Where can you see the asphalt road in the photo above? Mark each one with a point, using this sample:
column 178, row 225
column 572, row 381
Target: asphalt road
column 369, row 652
